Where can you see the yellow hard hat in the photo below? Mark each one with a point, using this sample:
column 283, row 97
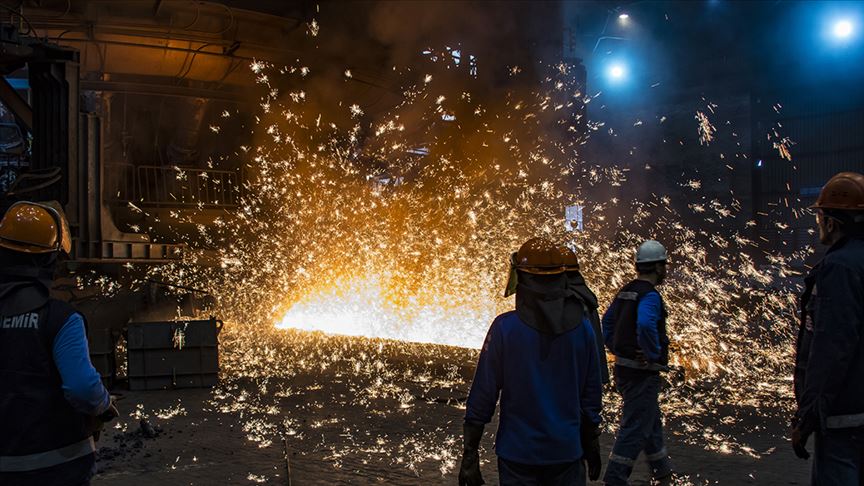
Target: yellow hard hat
column 31, row 227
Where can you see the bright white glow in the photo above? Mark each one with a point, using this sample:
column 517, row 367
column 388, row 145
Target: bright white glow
column 364, row 307
column 843, row 29
column 624, row 17
column 617, row 71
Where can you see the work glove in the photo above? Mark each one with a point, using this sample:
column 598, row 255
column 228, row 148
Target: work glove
column 469, row 471
column 105, row 417
column 111, row 413
column 590, row 433
column 801, row 430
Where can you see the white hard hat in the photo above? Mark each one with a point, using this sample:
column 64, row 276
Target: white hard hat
column 651, row 251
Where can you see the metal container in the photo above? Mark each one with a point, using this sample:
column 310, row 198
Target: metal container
column 173, row 354
column 102, row 343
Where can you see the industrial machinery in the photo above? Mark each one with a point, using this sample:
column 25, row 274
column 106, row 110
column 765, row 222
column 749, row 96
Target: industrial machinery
column 103, row 105
column 128, row 112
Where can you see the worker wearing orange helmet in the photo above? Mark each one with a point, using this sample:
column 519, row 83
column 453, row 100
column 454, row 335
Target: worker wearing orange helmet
column 541, row 362
column 51, row 397
column 829, row 358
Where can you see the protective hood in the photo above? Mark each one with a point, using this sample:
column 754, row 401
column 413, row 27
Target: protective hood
column 545, row 303
column 25, row 281
column 576, row 283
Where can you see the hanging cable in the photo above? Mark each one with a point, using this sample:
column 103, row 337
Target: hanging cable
column 12, row 12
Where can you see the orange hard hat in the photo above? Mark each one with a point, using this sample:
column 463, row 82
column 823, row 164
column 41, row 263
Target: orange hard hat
column 31, row 227
column 845, row 191
column 540, row 256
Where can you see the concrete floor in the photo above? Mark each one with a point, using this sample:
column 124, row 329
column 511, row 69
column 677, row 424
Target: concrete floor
column 354, row 411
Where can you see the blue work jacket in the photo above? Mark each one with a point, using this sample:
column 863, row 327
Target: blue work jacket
column 548, row 385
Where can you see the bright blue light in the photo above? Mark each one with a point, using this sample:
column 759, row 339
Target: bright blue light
column 759, row 163
column 843, row 29
column 617, row 72
column 840, row 28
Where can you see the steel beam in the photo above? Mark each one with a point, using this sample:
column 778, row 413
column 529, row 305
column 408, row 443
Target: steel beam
column 18, row 105
column 165, row 90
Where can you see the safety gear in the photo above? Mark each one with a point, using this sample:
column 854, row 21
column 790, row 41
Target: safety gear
column 625, row 344
column 537, row 256
column 512, row 277
column 801, row 431
column 591, row 448
column 799, row 443
column 576, row 284
column 843, row 191
column 38, row 420
column 547, row 304
column 540, row 256
column 31, row 227
column 571, row 261
column 111, row 413
column 469, row 470
column 546, row 386
column 828, row 360
column 650, row 252
column 105, row 417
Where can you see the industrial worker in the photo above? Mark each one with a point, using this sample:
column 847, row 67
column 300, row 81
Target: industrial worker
column 51, row 398
column 829, row 361
column 634, row 330
column 541, row 361
column 577, row 284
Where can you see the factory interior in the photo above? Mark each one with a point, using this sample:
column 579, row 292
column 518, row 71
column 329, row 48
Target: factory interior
column 291, row 221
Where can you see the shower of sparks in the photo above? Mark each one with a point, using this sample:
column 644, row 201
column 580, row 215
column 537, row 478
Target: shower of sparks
column 344, row 228
column 706, row 129
column 313, row 28
column 782, row 147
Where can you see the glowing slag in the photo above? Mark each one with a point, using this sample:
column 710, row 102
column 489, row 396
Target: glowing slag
column 360, row 308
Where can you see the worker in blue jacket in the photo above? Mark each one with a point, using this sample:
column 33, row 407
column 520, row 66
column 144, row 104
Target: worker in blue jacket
column 829, row 358
column 541, row 362
column 51, row 398
column 634, row 330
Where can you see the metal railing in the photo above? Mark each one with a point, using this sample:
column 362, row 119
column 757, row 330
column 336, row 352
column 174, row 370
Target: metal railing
column 160, row 186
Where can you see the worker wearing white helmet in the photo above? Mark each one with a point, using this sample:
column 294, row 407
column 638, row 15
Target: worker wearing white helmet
column 634, row 330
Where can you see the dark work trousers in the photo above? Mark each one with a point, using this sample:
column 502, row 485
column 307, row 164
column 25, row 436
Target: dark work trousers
column 640, row 429
column 516, row 474
column 838, row 458
column 73, row 473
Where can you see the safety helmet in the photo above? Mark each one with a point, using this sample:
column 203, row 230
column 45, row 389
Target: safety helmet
column 650, row 252
column 571, row 261
column 31, row 227
column 537, row 256
column 844, row 191
column 540, row 256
